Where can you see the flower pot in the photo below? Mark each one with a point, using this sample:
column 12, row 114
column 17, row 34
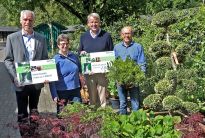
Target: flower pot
column 115, row 103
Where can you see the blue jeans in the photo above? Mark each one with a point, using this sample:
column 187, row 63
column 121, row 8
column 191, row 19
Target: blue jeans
column 134, row 98
column 67, row 96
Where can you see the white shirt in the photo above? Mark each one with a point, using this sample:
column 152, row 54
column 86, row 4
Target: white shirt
column 95, row 35
column 29, row 43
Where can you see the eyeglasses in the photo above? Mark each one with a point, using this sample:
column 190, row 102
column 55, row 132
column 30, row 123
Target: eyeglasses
column 63, row 44
column 126, row 33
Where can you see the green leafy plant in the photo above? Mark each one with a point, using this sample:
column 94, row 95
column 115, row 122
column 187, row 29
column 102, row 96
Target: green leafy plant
column 141, row 124
column 112, row 88
column 126, row 72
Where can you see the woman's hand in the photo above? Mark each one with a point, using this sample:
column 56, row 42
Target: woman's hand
column 46, row 82
column 55, row 99
column 83, row 52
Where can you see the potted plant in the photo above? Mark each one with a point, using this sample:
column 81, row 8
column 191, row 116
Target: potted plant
column 126, row 73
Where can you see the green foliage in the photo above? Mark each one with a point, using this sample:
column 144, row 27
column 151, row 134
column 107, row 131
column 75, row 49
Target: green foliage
column 189, row 85
column 164, row 87
column 154, row 6
column 103, row 113
column 159, row 49
column 112, row 88
column 51, row 11
column 181, row 51
column 139, row 125
column 164, row 63
column 73, row 108
column 126, row 72
column 190, row 53
column 164, row 18
column 191, row 90
column 153, row 102
column 172, row 103
column 182, row 94
column 190, row 107
column 171, row 75
column 199, row 94
column 147, row 87
column 117, row 10
column 186, row 74
column 75, row 39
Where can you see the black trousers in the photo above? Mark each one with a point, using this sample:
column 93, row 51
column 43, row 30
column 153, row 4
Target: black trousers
column 67, row 95
column 28, row 97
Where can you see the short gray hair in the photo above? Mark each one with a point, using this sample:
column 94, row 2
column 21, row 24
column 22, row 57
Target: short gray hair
column 62, row 37
column 94, row 15
column 23, row 12
column 127, row 27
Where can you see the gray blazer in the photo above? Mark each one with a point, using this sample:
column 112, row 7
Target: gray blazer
column 15, row 51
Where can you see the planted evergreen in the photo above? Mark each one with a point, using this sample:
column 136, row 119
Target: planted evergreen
column 126, row 73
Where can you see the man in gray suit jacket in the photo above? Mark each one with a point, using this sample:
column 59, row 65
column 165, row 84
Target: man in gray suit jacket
column 25, row 45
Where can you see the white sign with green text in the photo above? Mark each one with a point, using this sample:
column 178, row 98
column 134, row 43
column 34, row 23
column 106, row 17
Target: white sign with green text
column 34, row 72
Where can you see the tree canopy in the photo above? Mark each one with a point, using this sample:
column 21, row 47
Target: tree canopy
column 76, row 11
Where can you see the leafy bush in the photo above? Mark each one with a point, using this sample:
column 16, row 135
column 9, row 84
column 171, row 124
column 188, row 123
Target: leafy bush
column 171, row 103
column 126, row 72
column 190, row 107
column 164, row 87
column 153, row 102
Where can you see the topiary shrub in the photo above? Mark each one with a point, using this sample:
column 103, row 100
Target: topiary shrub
column 189, row 85
column 153, row 102
column 181, row 51
column 182, row 94
column 159, row 49
column 171, row 74
column 190, row 107
column 164, row 87
column 164, row 18
column 164, row 63
column 172, row 103
column 186, row 74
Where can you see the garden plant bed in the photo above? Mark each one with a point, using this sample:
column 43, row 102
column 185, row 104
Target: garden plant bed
column 81, row 121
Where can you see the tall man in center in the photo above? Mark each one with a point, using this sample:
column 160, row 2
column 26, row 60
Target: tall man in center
column 96, row 40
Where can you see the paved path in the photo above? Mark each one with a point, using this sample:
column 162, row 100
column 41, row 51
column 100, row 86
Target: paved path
column 8, row 107
column 1, row 53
